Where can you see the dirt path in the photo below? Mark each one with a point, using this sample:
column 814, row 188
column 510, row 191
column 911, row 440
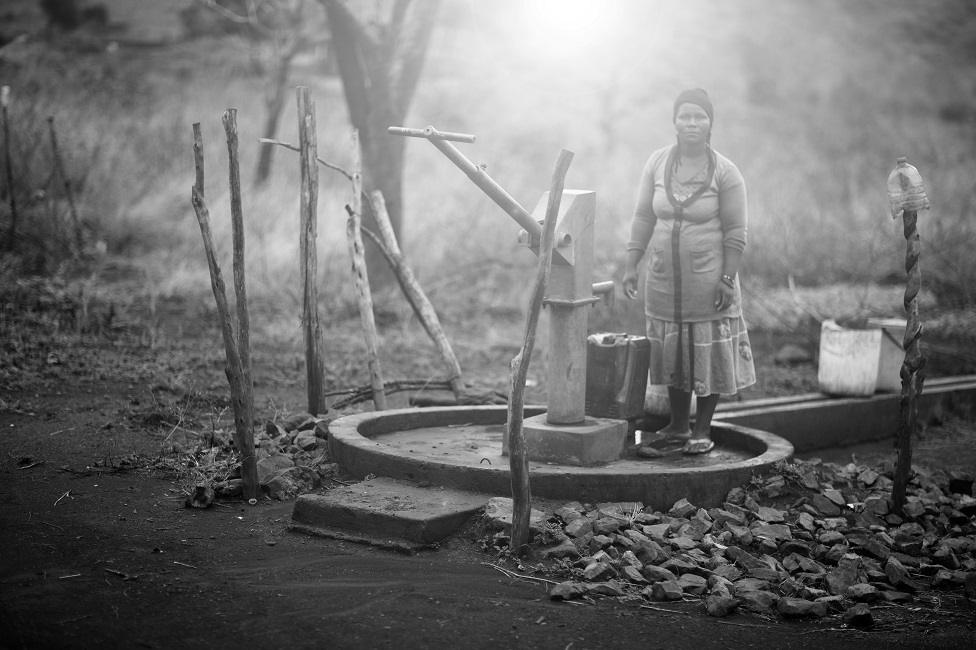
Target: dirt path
column 110, row 557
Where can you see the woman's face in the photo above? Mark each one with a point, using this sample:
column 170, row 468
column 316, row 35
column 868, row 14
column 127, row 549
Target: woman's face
column 692, row 123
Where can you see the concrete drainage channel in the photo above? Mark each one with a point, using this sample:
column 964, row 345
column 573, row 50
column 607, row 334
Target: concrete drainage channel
column 430, row 470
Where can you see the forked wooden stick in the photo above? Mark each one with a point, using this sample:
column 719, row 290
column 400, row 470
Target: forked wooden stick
column 518, row 460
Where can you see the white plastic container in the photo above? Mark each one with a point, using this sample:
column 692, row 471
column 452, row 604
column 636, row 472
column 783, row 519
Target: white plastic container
column 892, row 355
column 849, row 360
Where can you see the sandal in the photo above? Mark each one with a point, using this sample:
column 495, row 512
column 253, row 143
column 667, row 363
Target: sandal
column 698, row 446
column 647, row 451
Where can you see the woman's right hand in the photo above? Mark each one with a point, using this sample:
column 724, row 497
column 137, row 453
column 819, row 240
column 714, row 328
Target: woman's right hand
column 630, row 282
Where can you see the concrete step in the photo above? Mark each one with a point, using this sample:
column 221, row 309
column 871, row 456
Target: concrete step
column 387, row 512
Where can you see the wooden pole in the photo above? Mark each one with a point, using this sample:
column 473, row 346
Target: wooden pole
column 360, row 275
column 12, row 226
column 243, row 418
column 415, row 295
column 311, row 327
column 912, row 197
column 518, row 459
column 68, row 192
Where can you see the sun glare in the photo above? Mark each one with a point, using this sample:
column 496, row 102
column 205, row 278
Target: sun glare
column 557, row 28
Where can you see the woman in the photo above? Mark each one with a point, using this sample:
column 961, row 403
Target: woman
column 691, row 219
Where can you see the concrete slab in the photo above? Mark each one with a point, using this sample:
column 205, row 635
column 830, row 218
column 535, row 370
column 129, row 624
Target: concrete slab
column 387, row 512
column 811, row 422
column 595, row 441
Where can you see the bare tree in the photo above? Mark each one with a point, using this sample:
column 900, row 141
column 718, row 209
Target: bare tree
column 380, row 50
column 277, row 31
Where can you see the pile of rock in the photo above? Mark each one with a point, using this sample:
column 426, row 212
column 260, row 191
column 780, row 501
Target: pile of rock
column 291, row 458
column 810, row 540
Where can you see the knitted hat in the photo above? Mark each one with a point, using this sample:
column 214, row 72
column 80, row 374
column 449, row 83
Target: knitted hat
column 698, row 97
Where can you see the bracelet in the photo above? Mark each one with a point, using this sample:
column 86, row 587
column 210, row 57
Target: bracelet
column 728, row 280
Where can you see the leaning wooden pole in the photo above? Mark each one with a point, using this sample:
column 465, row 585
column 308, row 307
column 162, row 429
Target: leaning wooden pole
column 243, row 413
column 69, row 194
column 907, row 195
column 518, row 459
column 311, row 327
column 415, row 295
column 360, row 275
column 11, row 193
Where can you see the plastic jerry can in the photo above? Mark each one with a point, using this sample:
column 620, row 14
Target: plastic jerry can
column 616, row 375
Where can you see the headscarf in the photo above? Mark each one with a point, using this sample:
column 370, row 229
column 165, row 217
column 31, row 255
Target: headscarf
column 698, row 97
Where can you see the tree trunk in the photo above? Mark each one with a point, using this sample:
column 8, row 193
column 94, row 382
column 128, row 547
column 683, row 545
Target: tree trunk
column 380, row 67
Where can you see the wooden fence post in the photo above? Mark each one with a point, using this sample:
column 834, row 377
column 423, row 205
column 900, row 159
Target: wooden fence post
column 361, row 278
column 68, row 192
column 243, row 410
column 906, row 192
column 311, row 327
column 12, row 227
column 415, row 295
column 518, row 460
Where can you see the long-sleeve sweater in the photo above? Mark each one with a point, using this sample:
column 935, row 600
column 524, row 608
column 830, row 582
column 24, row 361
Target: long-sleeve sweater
column 712, row 224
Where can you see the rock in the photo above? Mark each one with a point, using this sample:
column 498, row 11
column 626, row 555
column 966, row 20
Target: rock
column 741, row 535
column 895, row 596
column 598, row 542
column 232, row 487
column 877, row 505
column 306, row 440
column 683, row 543
column 913, row 509
column 273, row 465
column 774, row 532
column 657, row 532
column 743, row 558
column 771, row 515
column 806, row 521
column 202, row 496
column 612, row 589
column 633, row 574
column 682, row 509
column 720, row 605
column 607, row 525
column 721, row 516
column 898, row 576
column 598, row 571
column 756, row 601
column 858, row 616
column 654, row 574
column 846, row 574
column 824, row 506
column 273, row 429
column 693, row 584
column 567, row 591
column 565, row 548
column 835, row 497
column 727, row 571
column 831, row 537
column 863, row 592
column 797, row 608
column 281, row 487
column 796, row 563
column 498, row 511
column 579, row 527
column 570, row 511
column 666, row 591
column 628, row 557
column 298, row 422
column 969, row 585
column 636, row 536
column 943, row 579
column 868, row 477
column 650, row 552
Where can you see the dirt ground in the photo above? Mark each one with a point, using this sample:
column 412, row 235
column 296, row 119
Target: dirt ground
column 98, row 550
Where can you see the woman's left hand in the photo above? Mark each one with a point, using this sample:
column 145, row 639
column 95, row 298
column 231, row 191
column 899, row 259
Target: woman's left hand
column 724, row 296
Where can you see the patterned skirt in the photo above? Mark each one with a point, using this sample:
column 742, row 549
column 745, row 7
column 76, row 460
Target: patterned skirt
column 715, row 356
